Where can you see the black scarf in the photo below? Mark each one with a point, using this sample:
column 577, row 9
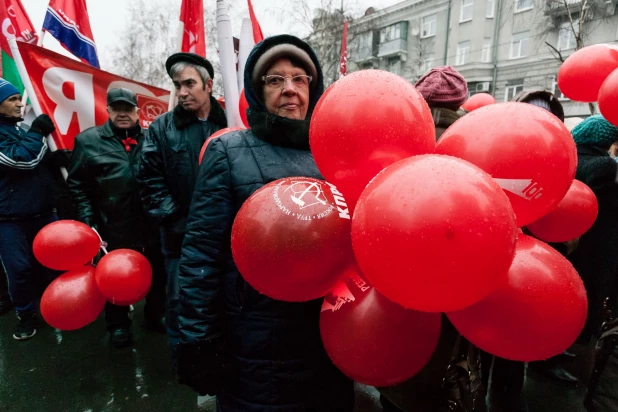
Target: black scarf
column 280, row 131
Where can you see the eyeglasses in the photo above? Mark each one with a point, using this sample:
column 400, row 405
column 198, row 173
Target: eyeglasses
column 277, row 82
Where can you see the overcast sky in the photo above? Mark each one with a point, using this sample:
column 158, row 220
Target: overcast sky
column 107, row 17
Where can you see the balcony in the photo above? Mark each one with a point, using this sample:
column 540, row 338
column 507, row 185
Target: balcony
column 362, row 54
column 396, row 47
column 562, row 7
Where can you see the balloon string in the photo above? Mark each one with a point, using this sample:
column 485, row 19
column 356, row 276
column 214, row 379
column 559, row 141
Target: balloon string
column 103, row 243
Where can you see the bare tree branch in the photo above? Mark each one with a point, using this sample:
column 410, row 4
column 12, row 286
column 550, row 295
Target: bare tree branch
column 558, row 54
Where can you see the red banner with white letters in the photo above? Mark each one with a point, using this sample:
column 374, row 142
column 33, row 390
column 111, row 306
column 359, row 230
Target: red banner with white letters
column 74, row 94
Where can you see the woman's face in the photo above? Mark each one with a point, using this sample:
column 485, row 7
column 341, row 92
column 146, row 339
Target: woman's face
column 288, row 97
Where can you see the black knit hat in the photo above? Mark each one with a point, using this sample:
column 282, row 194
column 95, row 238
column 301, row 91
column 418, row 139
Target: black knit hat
column 189, row 58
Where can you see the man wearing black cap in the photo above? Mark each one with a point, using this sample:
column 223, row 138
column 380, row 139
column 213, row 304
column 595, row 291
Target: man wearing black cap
column 169, row 161
column 103, row 186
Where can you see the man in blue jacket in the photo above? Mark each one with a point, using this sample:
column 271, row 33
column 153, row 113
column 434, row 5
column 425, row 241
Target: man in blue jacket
column 26, row 204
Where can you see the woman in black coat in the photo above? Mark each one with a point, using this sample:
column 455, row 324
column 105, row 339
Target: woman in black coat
column 596, row 258
column 255, row 353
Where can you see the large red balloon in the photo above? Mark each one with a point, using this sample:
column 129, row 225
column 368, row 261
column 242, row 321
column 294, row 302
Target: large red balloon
column 66, row 245
column 364, row 122
column 291, row 238
column 608, row 98
column 580, row 77
column 538, row 314
column 477, row 101
column 371, row 339
column 434, row 233
column 243, row 105
column 72, row 300
column 571, row 218
column 216, row 134
column 528, row 150
column 124, row 276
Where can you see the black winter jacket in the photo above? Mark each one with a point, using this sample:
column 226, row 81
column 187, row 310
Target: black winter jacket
column 276, row 358
column 104, row 189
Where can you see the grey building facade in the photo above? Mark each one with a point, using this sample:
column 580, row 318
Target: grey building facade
column 500, row 46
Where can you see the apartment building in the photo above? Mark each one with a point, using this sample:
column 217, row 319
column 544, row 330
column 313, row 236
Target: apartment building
column 500, row 46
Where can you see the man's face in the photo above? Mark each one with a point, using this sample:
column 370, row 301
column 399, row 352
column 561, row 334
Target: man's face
column 123, row 115
column 291, row 99
column 12, row 106
column 192, row 93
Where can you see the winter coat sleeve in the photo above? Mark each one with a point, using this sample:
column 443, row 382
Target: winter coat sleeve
column 206, row 243
column 81, row 184
column 22, row 152
column 155, row 194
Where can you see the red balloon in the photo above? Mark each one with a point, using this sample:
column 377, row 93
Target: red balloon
column 477, row 101
column 538, row 314
column 364, row 122
column 528, row 150
column 243, row 105
column 66, row 245
column 291, row 238
column 580, row 77
column 434, row 233
column 371, row 339
column 571, row 218
column 72, row 300
column 216, row 134
column 123, row 276
column 221, row 101
column 608, row 98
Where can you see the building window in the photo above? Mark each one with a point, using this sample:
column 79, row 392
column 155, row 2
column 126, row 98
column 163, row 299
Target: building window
column 556, row 90
column 566, row 35
column 520, row 44
column 514, row 87
column 489, row 12
column 486, row 52
column 523, row 5
column 394, row 65
column 463, row 51
column 394, row 32
column 427, row 63
column 429, row 25
column 467, row 10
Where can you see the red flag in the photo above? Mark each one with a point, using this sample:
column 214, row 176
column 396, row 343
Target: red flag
column 343, row 61
column 257, row 30
column 74, row 94
column 15, row 23
column 192, row 17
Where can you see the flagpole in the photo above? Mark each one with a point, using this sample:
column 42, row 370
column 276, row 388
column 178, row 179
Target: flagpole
column 36, row 106
column 181, row 30
column 244, row 48
column 24, row 97
column 228, row 64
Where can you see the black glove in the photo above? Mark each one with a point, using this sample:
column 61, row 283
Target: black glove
column 201, row 366
column 60, row 158
column 42, row 125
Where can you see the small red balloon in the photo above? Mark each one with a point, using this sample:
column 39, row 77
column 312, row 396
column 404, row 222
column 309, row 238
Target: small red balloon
column 364, row 122
column 216, row 134
column 66, row 245
column 291, row 238
column 72, row 300
column 243, row 105
column 608, row 98
column 537, row 315
column 371, row 339
column 571, row 218
column 581, row 75
column 123, row 276
column 434, row 233
column 477, row 101
column 528, row 150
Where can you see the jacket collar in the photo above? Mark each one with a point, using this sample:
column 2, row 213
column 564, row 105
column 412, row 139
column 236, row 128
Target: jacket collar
column 587, row 149
column 183, row 118
column 10, row 120
column 107, row 132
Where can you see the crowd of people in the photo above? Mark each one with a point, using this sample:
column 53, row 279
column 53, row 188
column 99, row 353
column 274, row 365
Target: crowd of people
column 145, row 190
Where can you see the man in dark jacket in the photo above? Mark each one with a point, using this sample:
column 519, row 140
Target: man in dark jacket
column 103, row 186
column 169, row 163
column 26, row 204
column 254, row 352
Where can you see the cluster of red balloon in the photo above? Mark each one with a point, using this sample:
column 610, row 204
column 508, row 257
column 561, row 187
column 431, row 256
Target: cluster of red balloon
column 591, row 74
column 77, row 297
column 434, row 229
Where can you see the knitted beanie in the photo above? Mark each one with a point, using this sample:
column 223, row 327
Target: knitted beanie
column 443, row 87
column 595, row 131
column 6, row 90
